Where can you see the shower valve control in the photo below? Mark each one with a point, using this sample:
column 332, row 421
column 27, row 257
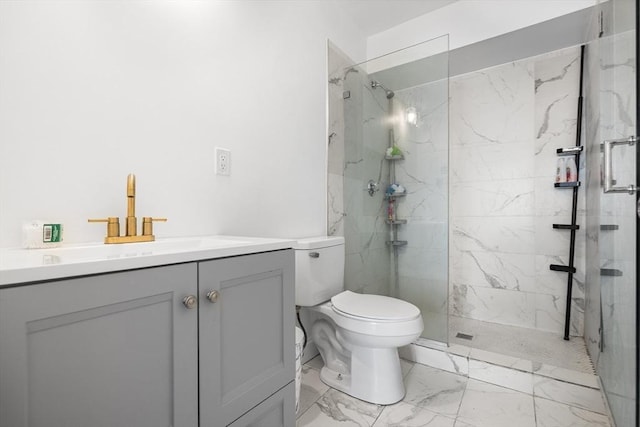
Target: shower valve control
column 372, row 187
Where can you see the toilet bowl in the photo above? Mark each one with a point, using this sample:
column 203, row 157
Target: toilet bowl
column 360, row 353
column 357, row 335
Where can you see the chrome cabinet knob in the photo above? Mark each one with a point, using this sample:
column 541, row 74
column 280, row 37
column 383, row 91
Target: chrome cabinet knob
column 213, row 296
column 190, row 301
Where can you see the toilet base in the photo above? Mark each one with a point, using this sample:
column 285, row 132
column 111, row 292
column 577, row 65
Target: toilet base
column 375, row 376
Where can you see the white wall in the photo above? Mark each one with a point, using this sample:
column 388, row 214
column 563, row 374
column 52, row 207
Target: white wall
column 471, row 21
column 91, row 91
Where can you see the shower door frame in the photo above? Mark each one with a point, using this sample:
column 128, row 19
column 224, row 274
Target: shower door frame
column 637, row 379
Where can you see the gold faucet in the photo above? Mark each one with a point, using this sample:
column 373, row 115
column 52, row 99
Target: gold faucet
column 113, row 222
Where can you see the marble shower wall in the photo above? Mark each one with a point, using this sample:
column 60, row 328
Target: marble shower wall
column 505, row 125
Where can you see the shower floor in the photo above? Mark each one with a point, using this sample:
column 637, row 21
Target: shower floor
column 540, row 347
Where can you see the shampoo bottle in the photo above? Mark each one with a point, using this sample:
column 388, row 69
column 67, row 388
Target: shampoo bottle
column 572, row 170
column 561, row 170
column 390, row 210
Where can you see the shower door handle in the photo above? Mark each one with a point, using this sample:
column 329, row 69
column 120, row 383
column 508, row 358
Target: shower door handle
column 609, row 182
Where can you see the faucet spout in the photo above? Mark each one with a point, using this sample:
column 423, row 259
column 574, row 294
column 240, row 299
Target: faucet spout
column 131, row 206
column 131, row 233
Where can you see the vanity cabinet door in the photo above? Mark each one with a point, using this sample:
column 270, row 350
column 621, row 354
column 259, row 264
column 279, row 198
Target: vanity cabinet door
column 247, row 335
column 278, row 410
column 116, row 350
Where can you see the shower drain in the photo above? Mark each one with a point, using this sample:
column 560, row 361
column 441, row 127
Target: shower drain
column 464, row 336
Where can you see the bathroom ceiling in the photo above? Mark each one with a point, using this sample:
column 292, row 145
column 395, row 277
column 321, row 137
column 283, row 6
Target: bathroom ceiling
column 374, row 16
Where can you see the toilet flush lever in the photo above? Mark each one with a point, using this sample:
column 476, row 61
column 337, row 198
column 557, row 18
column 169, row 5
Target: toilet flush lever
column 314, row 254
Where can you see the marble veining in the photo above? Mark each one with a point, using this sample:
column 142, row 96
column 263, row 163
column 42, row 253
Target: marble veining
column 570, row 394
column 545, row 123
column 479, row 409
column 338, row 408
column 565, row 69
column 404, row 414
column 437, row 390
column 553, row 414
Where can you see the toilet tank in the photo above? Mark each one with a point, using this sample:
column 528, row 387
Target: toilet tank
column 319, row 269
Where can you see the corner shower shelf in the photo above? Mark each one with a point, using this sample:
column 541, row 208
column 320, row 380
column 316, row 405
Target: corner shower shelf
column 565, row 268
column 567, row 184
column 566, row 226
column 396, row 221
column 610, row 272
column 571, row 151
column 570, row 269
column 391, row 219
column 609, row 227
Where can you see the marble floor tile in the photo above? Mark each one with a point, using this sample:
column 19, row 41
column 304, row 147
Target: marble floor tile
column 339, row 409
column 568, row 375
column 570, row 394
column 406, row 415
column 488, row 405
column 504, row 377
column 555, row 414
column 438, row 398
column 434, row 389
column 405, row 366
column 311, row 389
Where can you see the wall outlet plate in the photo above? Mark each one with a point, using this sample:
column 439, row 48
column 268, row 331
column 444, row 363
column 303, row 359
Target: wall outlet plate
column 223, row 161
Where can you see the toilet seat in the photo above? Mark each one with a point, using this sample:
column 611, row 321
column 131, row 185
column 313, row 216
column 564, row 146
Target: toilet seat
column 377, row 308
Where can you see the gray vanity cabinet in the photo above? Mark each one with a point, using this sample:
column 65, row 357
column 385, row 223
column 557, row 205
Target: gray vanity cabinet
column 152, row 347
column 246, row 330
column 112, row 350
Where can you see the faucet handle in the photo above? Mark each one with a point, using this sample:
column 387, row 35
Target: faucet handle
column 147, row 224
column 113, row 225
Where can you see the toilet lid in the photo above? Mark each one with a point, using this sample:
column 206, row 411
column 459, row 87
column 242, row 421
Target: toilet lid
column 374, row 306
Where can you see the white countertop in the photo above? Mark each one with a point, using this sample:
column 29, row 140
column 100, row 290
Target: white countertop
column 32, row 265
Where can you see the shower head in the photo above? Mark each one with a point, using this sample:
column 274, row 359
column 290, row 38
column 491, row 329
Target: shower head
column 389, row 93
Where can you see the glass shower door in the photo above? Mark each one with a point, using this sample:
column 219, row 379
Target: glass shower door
column 397, row 132
column 617, row 363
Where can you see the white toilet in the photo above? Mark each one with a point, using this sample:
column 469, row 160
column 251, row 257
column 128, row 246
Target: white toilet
column 358, row 335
